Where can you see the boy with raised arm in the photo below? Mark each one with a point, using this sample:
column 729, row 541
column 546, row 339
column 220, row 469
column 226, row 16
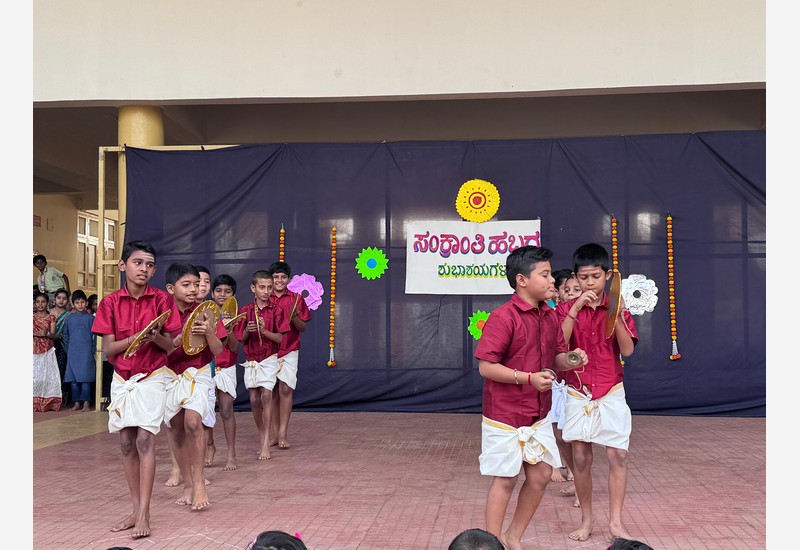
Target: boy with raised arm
column 520, row 344
column 595, row 409
column 136, row 407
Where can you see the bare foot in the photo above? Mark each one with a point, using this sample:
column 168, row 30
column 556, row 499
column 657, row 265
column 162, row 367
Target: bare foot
column 175, row 478
column 577, row 503
column 200, row 501
column 618, row 531
column 569, row 490
column 582, row 532
column 231, row 465
column 141, row 529
column 185, row 498
column 264, row 454
column 510, row 544
column 283, row 444
column 211, row 450
column 76, row 406
column 556, row 475
column 570, row 477
column 87, row 409
column 206, row 482
column 126, row 523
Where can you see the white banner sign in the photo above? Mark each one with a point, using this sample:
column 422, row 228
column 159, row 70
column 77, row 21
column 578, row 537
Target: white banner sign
column 453, row 257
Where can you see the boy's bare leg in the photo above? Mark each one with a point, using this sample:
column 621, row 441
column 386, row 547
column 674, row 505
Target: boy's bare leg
column 130, row 463
column 530, row 495
column 179, row 444
column 286, row 394
column 617, row 485
column 258, row 412
column 582, row 458
column 145, row 445
column 174, row 478
column 565, row 449
column 211, row 449
column 266, row 422
column 195, row 451
column 229, row 426
column 276, row 415
column 497, row 502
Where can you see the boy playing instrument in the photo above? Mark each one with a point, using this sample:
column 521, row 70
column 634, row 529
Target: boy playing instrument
column 136, row 407
column 520, row 343
column 261, row 338
column 595, row 409
column 297, row 313
column 188, row 383
column 223, row 288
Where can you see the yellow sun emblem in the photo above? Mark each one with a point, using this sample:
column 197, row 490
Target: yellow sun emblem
column 477, row 201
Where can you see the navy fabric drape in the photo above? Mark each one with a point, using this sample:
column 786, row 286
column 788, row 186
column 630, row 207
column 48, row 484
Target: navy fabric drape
column 395, row 352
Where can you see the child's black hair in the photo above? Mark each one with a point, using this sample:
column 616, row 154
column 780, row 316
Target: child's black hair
column 591, row 254
column 39, row 257
column 280, row 267
column 562, row 275
column 177, row 270
column 224, row 279
column 523, row 259
column 476, row 539
column 132, row 246
column 202, row 269
column 261, row 274
column 79, row 295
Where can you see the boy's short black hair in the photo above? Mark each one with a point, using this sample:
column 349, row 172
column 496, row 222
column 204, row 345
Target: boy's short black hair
column 224, row 279
column 523, row 259
column 132, row 246
column 280, row 267
column 277, row 540
column 261, row 274
column 476, row 539
column 39, row 257
column 562, row 275
column 591, row 254
column 629, row 544
column 202, row 269
column 78, row 295
column 177, row 270
column 91, row 296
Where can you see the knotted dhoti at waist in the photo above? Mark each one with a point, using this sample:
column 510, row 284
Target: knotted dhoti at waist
column 138, row 402
column 606, row 421
column 506, row 447
column 188, row 390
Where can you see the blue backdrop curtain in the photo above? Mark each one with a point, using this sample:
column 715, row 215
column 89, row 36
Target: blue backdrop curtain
column 224, row 209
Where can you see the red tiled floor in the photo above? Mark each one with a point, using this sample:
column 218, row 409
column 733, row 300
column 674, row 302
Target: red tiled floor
column 398, row 481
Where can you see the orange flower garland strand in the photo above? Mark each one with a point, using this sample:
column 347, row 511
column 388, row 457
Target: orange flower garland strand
column 671, row 273
column 614, row 244
column 331, row 359
column 615, row 258
column 282, row 245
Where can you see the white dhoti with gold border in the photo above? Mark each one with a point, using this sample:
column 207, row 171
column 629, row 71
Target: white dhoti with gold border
column 605, row 421
column 138, row 402
column 225, row 380
column 504, row 447
column 559, row 395
column 287, row 368
column 261, row 374
column 188, row 390
column 210, row 419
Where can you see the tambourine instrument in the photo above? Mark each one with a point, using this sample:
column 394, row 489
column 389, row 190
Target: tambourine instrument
column 195, row 343
column 139, row 341
column 614, row 298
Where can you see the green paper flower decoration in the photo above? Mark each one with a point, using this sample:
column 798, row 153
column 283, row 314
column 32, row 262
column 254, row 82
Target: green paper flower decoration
column 476, row 322
column 371, row 263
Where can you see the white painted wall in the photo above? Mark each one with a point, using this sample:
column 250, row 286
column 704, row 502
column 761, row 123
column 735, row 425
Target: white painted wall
column 273, row 49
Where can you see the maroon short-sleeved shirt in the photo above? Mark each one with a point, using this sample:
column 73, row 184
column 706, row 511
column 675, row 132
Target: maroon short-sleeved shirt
column 122, row 315
column 523, row 337
column 291, row 340
column 178, row 361
column 273, row 320
column 604, row 369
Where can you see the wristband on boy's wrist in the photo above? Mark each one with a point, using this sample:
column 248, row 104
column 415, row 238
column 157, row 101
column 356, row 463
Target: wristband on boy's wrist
column 573, row 317
column 515, row 377
column 529, row 379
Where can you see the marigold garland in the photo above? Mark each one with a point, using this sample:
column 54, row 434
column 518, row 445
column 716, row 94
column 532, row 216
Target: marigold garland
column 331, row 359
column 615, row 258
column 281, row 245
column 671, row 274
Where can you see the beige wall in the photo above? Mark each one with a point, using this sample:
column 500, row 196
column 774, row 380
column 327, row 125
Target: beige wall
column 204, row 49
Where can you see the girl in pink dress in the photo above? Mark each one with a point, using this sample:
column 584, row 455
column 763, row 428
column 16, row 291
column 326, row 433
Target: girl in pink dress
column 46, row 378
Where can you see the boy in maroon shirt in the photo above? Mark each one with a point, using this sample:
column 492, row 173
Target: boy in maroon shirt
column 261, row 338
column 136, row 407
column 596, row 410
column 296, row 311
column 520, row 343
column 189, row 384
